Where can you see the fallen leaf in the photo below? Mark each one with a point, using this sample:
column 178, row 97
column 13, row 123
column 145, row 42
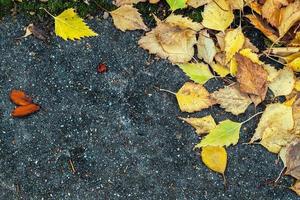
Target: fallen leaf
column 225, row 134
column 236, row 4
column 183, row 22
column 220, row 69
column 102, row 68
column 68, row 25
column 296, row 41
column 296, row 187
column 274, row 127
column 23, row 111
column 288, row 17
column 272, row 72
column 215, row 158
column 128, row 18
column 193, row 97
column 202, row 125
column 19, row 98
column 217, row 15
column 251, row 77
column 251, row 55
column 206, row 47
column 234, row 41
column 283, row 83
column 198, row 72
column 271, row 11
column 295, row 64
column 297, row 85
column 127, row 2
column 197, row 3
column 232, row 100
column 258, row 23
column 176, row 4
column 293, row 159
column 296, row 116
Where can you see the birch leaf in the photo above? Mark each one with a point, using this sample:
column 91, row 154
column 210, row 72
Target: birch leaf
column 215, row 158
column 202, row 125
column 128, row 18
column 220, row 69
column 234, row 41
column 198, row 72
column 206, row 47
column 176, row 4
column 283, row 83
column 288, row 17
column 68, row 25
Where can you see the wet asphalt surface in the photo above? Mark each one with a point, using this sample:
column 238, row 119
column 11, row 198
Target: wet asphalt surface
column 121, row 135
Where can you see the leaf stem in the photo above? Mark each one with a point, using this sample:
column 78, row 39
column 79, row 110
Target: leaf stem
column 224, row 180
column 48, row 12
column 251, row 118
column 165, row 90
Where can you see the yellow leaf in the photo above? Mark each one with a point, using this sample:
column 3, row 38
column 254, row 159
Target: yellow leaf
column 193, row 97
column 232, row 100
column 225, row 134
column 295, row 64
column 128, row 2
column 296, row 187
column 128, row 18
column 197, row 3
column 206, row 47
column 234, row 41
column 183, row 22
column 288, row 17
column 202, row 125
column 220, row 69
column 290, row 102
column 233, row 66
column 274, row 127
column 283, row 83
column 296, row 41
column 215, row 158
column 251, row 55
column 297, row 85
column 217, row 15
column 69, row 26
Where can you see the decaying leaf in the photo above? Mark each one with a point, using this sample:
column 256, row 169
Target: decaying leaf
column 232, row 100
column 31, row 29
column 198, row 72
column 217, row 15
column 251, row 77
column 19, row 98
column 172, row 41
column 274, row 127
column 23, row 111
column 215, row 158
column 293, row 159
column 202, row 125
column 225, row 134
column 296, row 187
column 127, row 2
column 271, row 11
column 128, row 18
column 283, row 83
column 206, row 47
column 288, row 17
column 234, row 41
column 68, row 25
column 193, row 97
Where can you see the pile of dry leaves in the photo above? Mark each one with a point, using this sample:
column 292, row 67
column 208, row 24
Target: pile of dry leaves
column 213, row 49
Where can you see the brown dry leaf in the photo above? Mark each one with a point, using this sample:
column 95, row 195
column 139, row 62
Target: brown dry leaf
column 258, row 23
column 197, row 3
column 296, row 41
column 23, row 111
column 20, row 98
column 193, row 97
column 172, row 41
column 221, row 40
column 128, row 18
column 274, row 127
column 31, row 29
column 202, row 125
column 271, row 11
column 283, row 83
column 288, row 17
column 255, row 6
column 252, row 77
column 127, row 2
column 249, row 45
column 153, row 1
column 293, row 159
column 232, row 100
column 296, row 116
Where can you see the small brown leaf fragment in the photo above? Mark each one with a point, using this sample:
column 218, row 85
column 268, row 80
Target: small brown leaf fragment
column 102, row 68
column 252, row 77
column 31, row 29
column 23, row 111
column 293, row 159
column 19, row 98
column 296, row 187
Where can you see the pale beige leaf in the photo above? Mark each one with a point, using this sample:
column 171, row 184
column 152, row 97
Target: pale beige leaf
column 127, row 2
column 236, row 4
column 283, row 83
column 197, row 3
column 128, row 18
column 206, row 47
column 183, row 22
column 288, row 17
column 232, row 100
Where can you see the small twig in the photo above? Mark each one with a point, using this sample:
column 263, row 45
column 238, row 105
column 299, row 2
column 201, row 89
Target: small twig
column 72, row 166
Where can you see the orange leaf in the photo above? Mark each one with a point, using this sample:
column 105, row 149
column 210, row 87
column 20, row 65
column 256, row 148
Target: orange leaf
column 26, row 110
column 19, row 98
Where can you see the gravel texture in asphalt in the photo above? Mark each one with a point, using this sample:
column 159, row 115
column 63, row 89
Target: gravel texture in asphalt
column 121, row 134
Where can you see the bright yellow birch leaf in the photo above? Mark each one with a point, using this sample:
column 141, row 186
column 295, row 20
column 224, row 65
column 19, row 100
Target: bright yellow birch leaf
column 202, row 125
column 217, row 15
column 193, row 97
column 220, row 69
column 295, row 64
column 68, row 25
column 297, row 85
column 215, row 158
column 234, row 41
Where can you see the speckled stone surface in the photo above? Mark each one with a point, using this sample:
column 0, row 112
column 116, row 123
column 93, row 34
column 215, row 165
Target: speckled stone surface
column 121, row 134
